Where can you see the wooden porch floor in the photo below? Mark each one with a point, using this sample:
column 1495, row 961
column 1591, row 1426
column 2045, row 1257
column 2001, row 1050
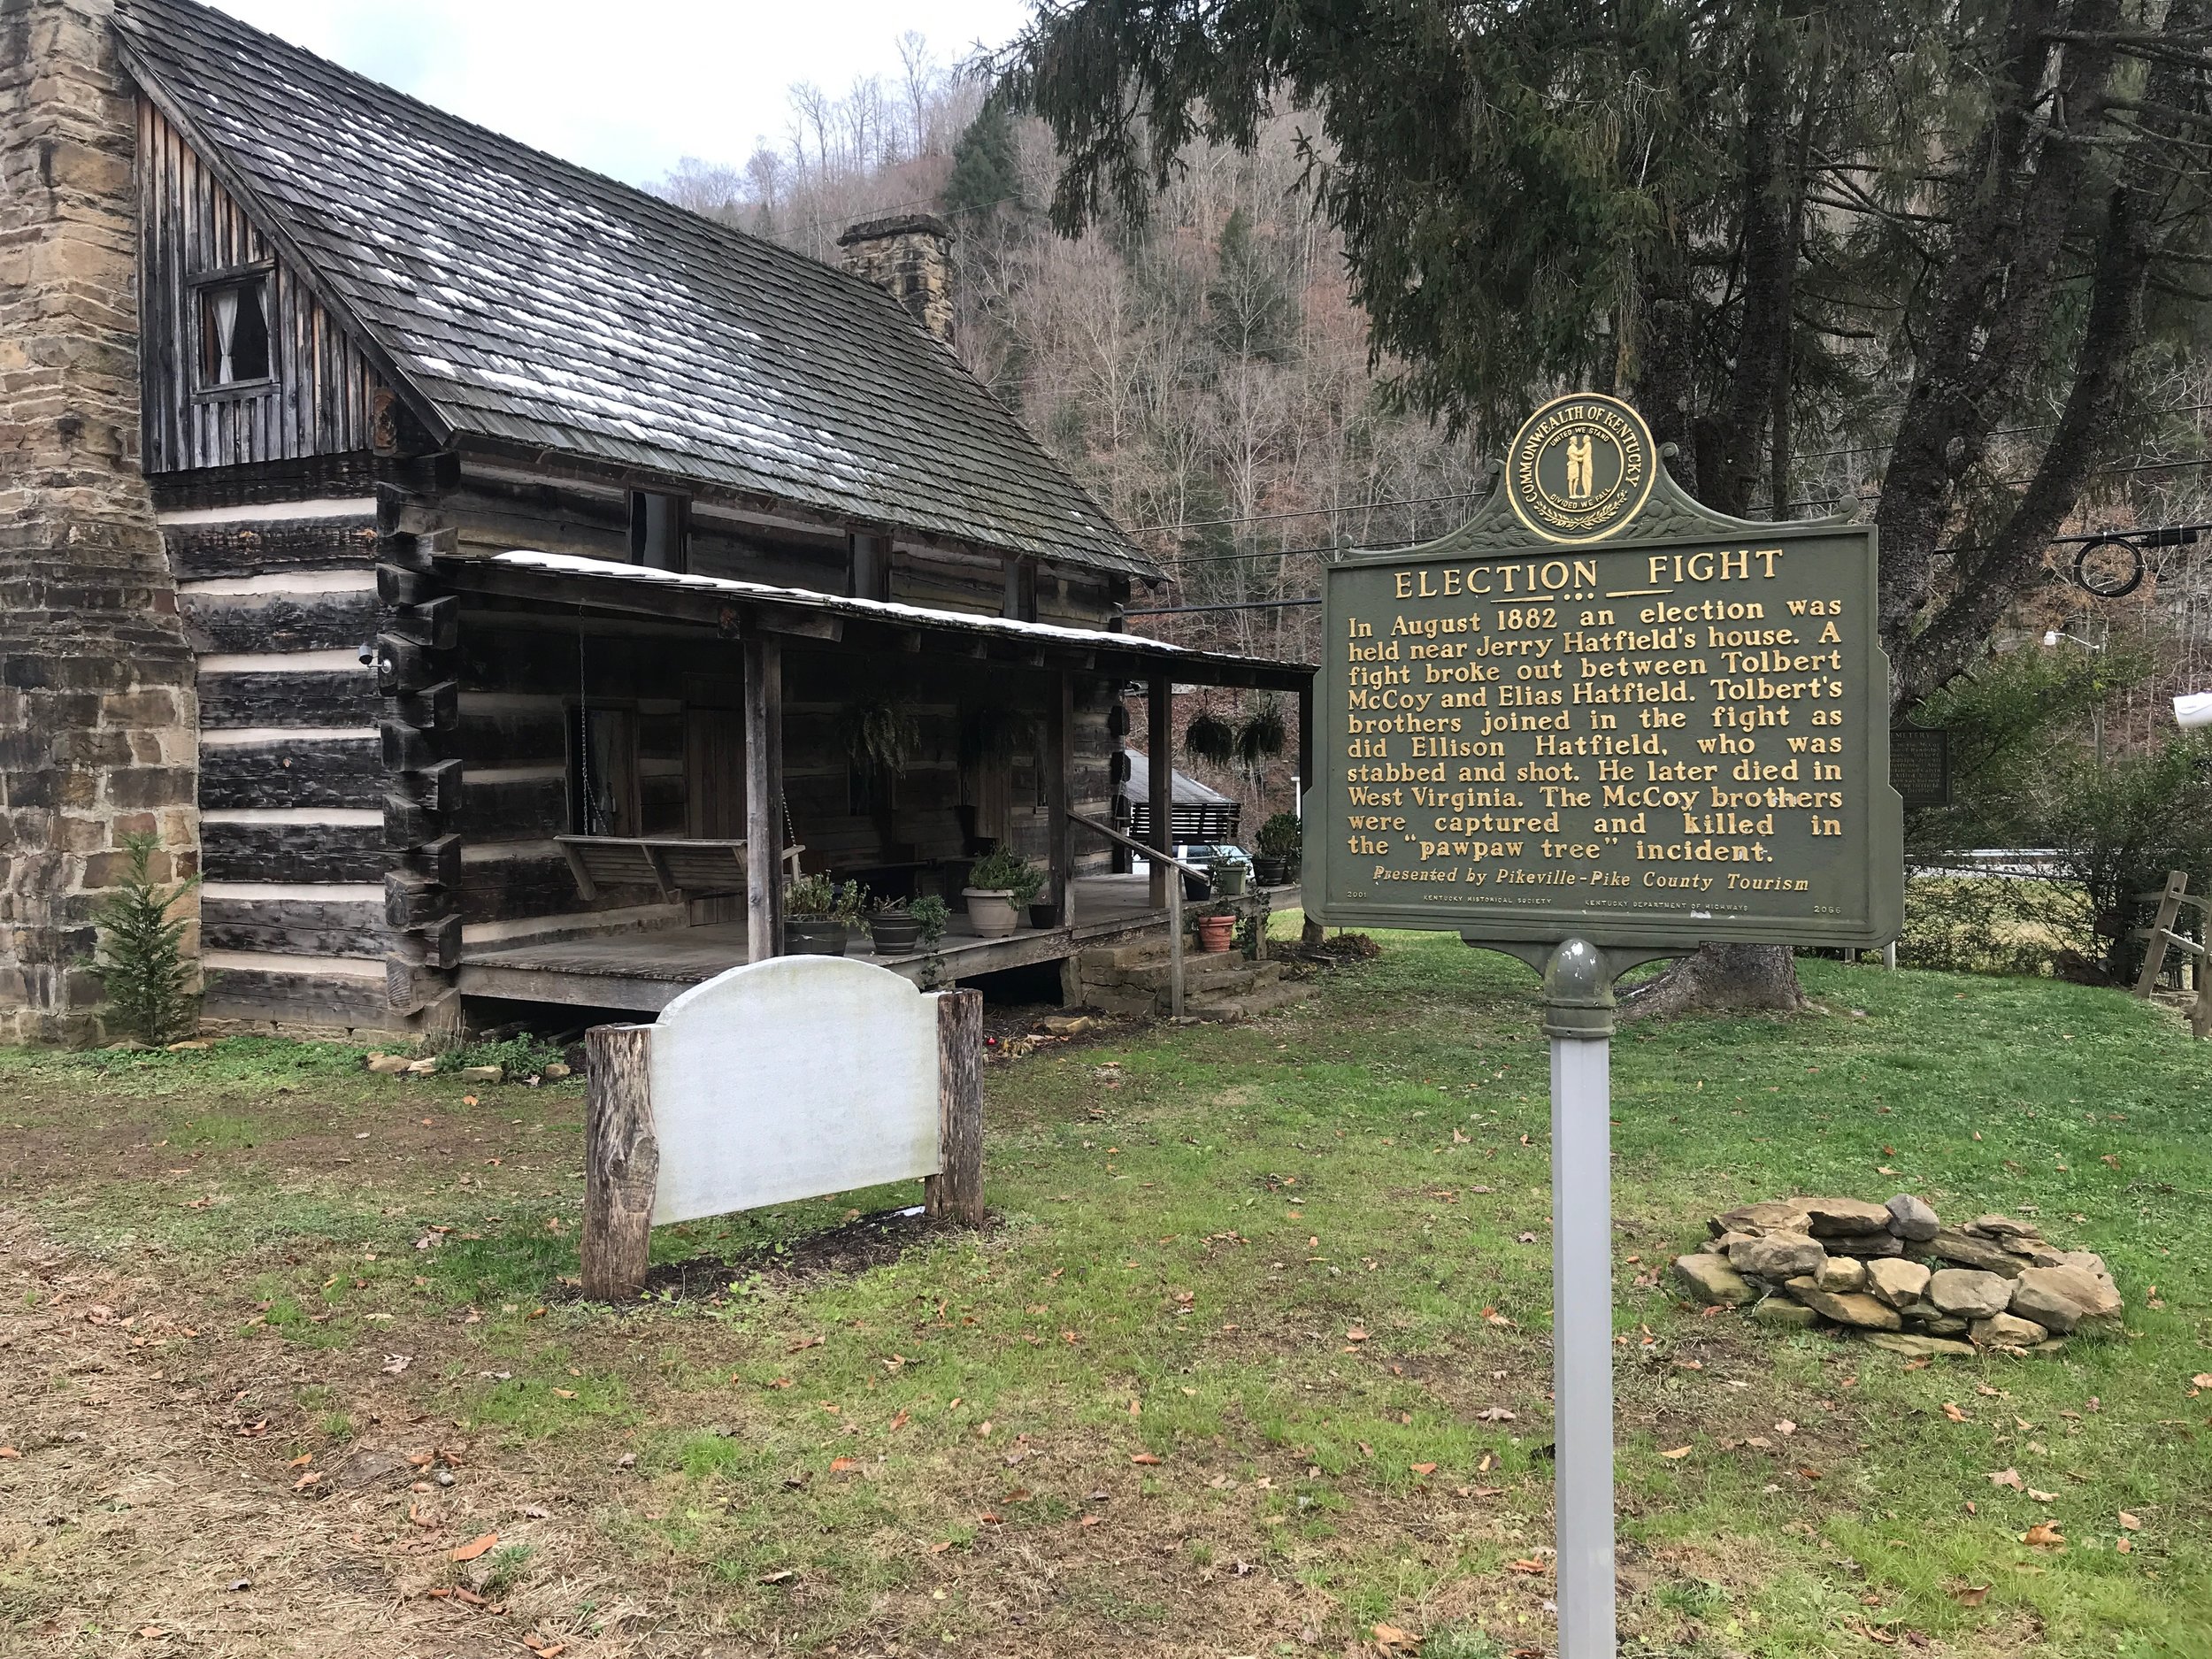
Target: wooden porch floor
column 643, row 972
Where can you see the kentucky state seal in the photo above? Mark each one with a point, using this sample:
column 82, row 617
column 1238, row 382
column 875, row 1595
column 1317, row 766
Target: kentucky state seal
column 1580, row 468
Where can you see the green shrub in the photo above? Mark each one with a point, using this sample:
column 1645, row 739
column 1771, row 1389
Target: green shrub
column 1992, row 924
column 147, row 980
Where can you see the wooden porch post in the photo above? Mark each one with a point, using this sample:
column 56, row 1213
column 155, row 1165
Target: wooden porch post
column 763, row 799
column 1159, row 718
column 1062, row 795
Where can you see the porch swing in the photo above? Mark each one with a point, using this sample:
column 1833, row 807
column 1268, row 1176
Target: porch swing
column 678, row 867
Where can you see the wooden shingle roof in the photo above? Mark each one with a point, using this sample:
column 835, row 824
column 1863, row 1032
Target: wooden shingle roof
column 526, row 301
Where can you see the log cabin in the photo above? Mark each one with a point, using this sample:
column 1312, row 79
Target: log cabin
column 511, row 565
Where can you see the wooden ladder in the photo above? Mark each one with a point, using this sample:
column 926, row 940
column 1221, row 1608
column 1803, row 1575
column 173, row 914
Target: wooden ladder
column 2160, row 934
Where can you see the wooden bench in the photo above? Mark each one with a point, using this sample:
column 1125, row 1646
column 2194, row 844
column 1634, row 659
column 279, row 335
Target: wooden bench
column 691, row 869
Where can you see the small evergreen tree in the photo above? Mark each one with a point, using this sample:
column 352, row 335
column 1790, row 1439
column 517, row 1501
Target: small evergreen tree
column 147, row 979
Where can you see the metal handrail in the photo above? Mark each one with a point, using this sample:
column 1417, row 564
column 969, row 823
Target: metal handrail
column 1134, row 845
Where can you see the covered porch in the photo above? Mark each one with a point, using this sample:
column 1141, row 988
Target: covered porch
column 715, row 717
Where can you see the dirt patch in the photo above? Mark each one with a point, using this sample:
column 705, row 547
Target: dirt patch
column 859, row 1245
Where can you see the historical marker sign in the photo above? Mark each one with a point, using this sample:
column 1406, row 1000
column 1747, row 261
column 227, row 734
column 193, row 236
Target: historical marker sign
column 1604, row 721
column 1601, row 710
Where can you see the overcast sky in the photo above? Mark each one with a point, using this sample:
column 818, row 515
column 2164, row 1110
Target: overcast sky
column 628, row 88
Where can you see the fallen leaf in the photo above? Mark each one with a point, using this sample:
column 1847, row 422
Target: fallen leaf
column 2132, row 1523
column 2044, row 1535
column 475, row 1547
column 842, row 1465
column 899, row 1422
column 1971, row 1595
column 1144, row 1458
column 1679, row 1451
column 2125, row 1545
column 1389, row 1636
column 1525, row 1566
column 1955, row 1414
column 566, row 1394
column 784, row 1576
column 1423, row 1469
column 1494, row 1414
column 2008, row 1478
column 301, row 1460
column 395, row 1363
column 9, row 1451
column 805, row 1342
column 1087, row 1520
column 2043, row 1497
column 1356, row 1334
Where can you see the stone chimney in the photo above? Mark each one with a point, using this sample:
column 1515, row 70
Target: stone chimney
column 98, row 715
column 909, row 258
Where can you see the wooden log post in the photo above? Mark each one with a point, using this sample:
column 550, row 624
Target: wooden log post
column 1063, row 790
column 957, row 1189
column 763, row 799
column 1159, row 720
column 621, row 1160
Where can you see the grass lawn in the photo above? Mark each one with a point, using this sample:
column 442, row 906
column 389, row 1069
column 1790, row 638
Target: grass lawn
column 1255, row 1360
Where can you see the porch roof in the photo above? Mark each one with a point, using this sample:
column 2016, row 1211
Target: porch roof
column 729, row 605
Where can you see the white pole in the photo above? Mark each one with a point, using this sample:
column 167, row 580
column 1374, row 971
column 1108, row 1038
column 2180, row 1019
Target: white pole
column 1582, row 1343
column 1578, row 1016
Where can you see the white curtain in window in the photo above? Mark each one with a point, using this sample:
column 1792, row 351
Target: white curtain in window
column 223, row 306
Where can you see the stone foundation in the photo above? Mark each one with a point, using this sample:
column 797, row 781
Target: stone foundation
column 97, row 719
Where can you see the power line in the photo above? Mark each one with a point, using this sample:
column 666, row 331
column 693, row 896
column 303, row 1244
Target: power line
column 1307, row 512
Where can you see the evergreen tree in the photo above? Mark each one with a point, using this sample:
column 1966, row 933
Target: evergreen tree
column 986, row 172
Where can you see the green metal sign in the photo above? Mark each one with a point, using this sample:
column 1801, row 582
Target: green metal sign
column 1601, row 711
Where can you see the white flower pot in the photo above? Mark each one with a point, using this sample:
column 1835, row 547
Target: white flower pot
column 991, row 910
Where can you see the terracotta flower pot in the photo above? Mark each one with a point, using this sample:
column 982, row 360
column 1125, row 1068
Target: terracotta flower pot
column 1216, row 932
column 991, row 911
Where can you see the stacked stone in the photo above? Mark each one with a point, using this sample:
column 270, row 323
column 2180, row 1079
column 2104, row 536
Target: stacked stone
column 1897, row 1272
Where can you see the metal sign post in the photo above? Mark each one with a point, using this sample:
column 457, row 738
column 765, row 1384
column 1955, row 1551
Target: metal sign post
column 1578, row 1019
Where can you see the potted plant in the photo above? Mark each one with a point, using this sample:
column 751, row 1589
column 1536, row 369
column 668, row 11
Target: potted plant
column 930, row 914
column 1229, row 876
column 819, row 915
column 1001, row 882
column 1262, row 737
column 1217, row 927
column 895, row 928
column 1280, row 843
column 1211, row 738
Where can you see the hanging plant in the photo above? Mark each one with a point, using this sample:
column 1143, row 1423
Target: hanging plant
column 881, row 732
column 1263, row 736
column 1211, row 738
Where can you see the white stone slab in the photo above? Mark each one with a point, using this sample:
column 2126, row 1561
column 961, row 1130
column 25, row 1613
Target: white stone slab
column 789, row 1078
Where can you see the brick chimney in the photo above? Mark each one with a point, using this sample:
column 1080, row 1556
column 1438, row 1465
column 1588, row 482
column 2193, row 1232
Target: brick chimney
column 98, row 715
column 909, row 257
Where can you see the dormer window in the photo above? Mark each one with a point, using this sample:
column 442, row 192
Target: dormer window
column 235, row 333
